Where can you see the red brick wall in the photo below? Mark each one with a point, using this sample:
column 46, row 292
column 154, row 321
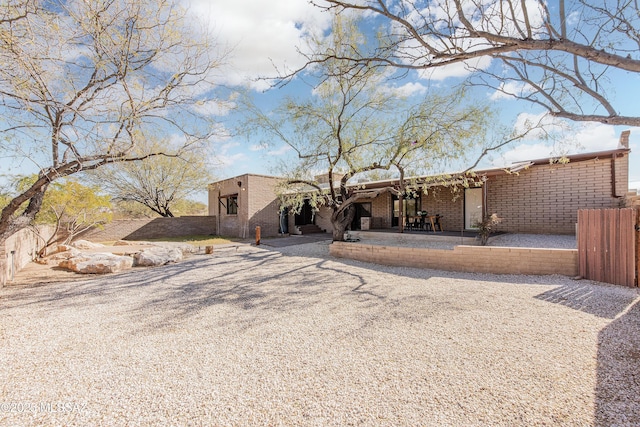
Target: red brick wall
column 545, row 199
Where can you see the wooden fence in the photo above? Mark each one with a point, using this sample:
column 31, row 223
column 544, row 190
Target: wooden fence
column 607, row 245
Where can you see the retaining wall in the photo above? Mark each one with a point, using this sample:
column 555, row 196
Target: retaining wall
column 152, row 228
column 20, row 249
column 472, row 259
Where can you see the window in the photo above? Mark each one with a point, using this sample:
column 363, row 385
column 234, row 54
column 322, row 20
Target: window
column 364, row 209
column 232, row 205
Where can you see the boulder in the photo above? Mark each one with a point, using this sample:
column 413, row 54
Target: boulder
column 61, row 255
column 85, row 244
column 185, row 248
column 97, row 263
column 131, row 243
column 157, row 256
column 65, row 248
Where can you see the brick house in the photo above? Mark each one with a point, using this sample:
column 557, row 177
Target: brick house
column 539, row 196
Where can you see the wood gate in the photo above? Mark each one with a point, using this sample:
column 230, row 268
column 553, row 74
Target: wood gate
column 607, row 245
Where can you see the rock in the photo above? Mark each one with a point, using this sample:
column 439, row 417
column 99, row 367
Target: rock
column 64, row 248
column 131, row 243
column 60, row 256
column 98, row 263
column 85, row 244
column 185, row 248
column 157, row 256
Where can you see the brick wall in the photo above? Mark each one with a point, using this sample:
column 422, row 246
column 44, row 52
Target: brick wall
column 25, row 245
column 263, row 205
column 323, row 219
column 115, row 230
column 175, row 227
column 152, row 228
column 473, row 259
column 545, row 199
column 381, row 211
column 257, row 205
column 448, row 203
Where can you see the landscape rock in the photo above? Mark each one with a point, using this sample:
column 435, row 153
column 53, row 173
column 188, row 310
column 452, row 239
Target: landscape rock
column 157, row 255
column 61, row 255
column 97, row 263
column 85, row 244
column 131, row 243
column 185, row 248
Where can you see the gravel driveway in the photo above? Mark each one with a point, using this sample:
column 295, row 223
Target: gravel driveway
column 289, row 336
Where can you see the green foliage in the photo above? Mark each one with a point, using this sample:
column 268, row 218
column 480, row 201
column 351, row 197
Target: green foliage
column 358, row 124
column 75, row 205
column 85, row 83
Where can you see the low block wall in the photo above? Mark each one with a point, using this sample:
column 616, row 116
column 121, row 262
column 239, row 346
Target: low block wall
column 20, row 249
column 153, row 228
column 471, row 259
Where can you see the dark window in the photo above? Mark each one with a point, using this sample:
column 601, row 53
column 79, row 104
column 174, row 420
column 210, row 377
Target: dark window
column 364, row 209
column 232, row 205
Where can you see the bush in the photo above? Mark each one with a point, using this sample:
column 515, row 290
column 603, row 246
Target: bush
column 487, row 226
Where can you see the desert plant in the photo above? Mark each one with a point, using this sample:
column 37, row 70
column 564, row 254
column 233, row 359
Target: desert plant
column 487, row 226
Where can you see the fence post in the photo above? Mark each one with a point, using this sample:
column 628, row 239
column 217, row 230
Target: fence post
column 257, row 235
column 3, row 267
column 637, row 234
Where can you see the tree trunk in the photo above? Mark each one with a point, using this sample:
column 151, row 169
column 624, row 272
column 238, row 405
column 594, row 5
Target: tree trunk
column 340, row 220
column 10, row 224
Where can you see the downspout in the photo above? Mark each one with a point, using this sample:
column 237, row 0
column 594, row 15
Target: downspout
column 485, row 208
column 613, row 176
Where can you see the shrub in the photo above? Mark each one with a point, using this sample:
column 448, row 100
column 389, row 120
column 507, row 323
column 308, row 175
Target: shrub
column 487, row 226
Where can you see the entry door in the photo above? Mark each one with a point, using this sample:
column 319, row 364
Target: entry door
column 472, row 207
column 409, row 208
column 305, row 217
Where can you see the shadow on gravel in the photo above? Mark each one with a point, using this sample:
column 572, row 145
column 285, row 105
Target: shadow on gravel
column 588, row 298
column 617, row 394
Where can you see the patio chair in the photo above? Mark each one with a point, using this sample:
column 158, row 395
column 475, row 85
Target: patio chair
column 437, row 224
column 411, row 223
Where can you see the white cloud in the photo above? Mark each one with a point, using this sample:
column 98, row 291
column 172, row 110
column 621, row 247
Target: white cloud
column 228, row 155
column 560, row 138
column 407, row 90
column 260, row 34
column 509, row 90
column 213, row 107
column 456, row 70
column 284, row 149
column 257, row 147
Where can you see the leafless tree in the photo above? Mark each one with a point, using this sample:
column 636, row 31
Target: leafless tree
column 83, row 81
column 355, row 124
column 160, row 183
column 558, row 55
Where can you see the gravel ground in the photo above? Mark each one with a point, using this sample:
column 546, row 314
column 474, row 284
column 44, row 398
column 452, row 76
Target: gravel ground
column 510, row 240
column 259, row 336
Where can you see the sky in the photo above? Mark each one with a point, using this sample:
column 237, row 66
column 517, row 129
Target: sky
column 264, row 35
